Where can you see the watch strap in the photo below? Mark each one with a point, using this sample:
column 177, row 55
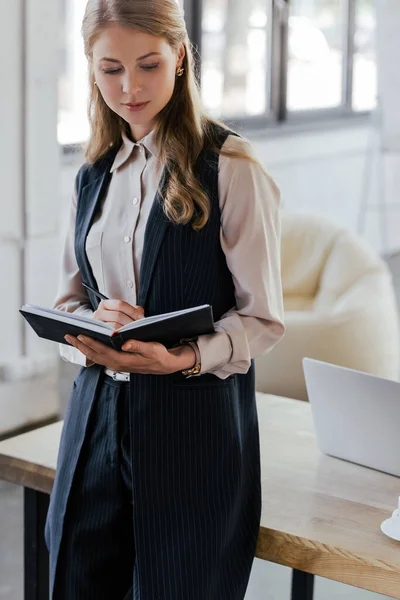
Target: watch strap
column 195, row 370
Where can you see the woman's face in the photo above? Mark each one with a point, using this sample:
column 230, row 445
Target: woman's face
column 135, row 73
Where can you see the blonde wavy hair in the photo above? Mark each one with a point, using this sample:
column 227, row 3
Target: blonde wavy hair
column 182, row 128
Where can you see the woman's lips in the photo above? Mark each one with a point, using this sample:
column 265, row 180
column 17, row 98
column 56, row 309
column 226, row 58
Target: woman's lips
column 136, row 107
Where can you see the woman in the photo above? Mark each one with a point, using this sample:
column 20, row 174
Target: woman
column 157, row 493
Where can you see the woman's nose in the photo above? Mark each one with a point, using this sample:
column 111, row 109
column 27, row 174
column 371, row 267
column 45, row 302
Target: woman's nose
column 131, row 84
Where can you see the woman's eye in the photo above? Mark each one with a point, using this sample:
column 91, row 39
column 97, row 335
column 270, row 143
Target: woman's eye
column 112, row 71
column 150, row 67
column 144, row 67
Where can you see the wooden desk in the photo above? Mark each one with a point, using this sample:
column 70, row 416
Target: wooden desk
column 321, row 516
column 30, row 460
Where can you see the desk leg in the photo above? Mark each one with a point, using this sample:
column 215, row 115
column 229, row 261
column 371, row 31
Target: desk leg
column 302, row 585
column 36, row 565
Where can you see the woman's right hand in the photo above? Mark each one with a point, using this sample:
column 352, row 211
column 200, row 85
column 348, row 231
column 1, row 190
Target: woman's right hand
column 117, row 313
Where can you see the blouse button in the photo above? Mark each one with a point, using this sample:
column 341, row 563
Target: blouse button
column 129, row 284
column 127, row 239
column 135, row 201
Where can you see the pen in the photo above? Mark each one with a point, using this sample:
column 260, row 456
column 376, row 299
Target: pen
column 95, row 292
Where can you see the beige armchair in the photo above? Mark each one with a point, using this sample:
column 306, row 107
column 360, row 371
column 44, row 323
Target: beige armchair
column 340, row 307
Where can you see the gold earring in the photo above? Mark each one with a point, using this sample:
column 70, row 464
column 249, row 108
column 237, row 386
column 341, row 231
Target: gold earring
column 180, row 71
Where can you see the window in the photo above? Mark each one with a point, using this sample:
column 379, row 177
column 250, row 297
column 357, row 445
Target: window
column 315, row 54
column 73, row 125
column 365, row 76
column 273, row 58
column 261, row 60
column 234, row 57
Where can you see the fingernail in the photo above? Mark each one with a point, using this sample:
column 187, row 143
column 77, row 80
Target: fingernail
column 81, row 338
column 67, row 338
column 128, row 347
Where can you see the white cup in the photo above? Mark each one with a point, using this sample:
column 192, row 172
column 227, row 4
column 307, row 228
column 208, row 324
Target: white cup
column 391, row 526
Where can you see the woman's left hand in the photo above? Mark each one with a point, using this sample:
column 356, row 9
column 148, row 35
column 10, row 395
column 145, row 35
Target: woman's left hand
column 136, row 357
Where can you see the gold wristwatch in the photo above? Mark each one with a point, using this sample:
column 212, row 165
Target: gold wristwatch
column 197, row 366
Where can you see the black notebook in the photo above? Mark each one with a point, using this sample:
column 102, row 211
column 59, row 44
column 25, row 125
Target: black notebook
column 167, row 329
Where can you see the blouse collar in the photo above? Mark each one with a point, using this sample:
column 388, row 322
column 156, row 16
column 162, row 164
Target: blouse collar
column 146, row 144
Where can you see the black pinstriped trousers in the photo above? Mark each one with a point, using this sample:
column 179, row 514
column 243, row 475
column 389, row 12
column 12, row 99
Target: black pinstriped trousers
column 97, row 555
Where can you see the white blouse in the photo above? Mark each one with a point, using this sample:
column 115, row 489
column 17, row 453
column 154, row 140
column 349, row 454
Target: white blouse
column 250, row 239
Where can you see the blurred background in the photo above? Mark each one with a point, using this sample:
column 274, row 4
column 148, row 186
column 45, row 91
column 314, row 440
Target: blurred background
column 313, row 84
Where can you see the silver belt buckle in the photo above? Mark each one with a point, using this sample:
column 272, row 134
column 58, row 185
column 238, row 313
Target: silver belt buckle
column 117, row 375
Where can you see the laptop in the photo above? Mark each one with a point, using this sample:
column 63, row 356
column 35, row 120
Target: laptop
column 356, row 415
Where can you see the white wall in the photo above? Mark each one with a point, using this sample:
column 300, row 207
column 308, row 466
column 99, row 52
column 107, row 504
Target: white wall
column 388, row 24
column 29, row 204
column 335, row 173
column 388, row 49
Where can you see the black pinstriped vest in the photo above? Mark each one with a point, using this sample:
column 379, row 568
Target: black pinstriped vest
column 180, row 267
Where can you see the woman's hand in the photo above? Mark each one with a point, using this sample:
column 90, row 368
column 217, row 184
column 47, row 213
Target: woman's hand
column 117, row 313
column 136, row 357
